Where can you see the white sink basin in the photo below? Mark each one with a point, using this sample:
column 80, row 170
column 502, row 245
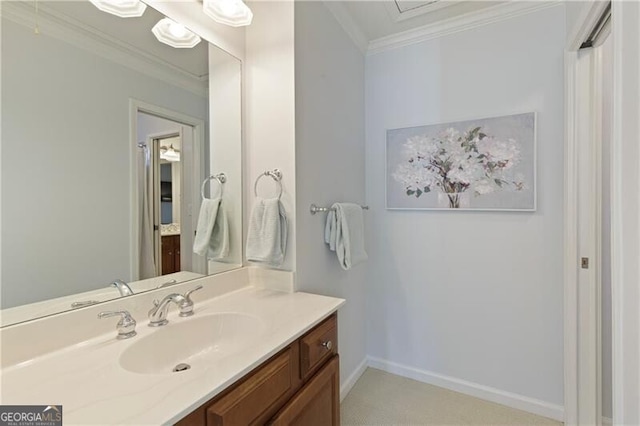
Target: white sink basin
column 195, row 342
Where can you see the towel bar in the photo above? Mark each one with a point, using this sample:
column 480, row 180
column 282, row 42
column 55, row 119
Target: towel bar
column 220, row 177
column 316, row 209
column 275, row 174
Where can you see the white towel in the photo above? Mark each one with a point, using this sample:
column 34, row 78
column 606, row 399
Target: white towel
column 344, row 232
column 212, row 232
column 267, row 234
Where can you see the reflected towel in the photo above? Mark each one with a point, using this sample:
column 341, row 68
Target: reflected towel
column 267, row 234
column 344, row 232
column 212, row 232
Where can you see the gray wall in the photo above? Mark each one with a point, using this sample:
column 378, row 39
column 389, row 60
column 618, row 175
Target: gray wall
column 66, row 164
column 476, row 296
column 330, row 145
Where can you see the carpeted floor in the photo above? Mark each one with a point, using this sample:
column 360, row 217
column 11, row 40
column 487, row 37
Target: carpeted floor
column 380, row 398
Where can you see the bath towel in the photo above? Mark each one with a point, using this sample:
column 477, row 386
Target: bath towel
column 212, row 232
column 267, row 234
column 344, row 232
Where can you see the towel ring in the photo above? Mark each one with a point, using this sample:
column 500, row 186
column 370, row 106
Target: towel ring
column 275, row 175
column 220, row 177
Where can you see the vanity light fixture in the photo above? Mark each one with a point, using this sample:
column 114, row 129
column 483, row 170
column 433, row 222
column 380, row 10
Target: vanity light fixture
column 121, row 8
column 169, row 154
column 170, row 32
column 229, row 12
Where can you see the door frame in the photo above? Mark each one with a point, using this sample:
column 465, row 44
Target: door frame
column 153, row 141
column 625, row 223
column 189, row 210
column 625, row 217
column 583, row 200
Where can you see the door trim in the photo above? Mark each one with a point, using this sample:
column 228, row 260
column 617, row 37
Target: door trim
column 198, row 125
column 581, row 323
column 625, row 217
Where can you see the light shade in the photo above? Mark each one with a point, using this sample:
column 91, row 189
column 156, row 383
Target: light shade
column 170, row 154
column 121, row 8
column 229, row 12
column 176, row 35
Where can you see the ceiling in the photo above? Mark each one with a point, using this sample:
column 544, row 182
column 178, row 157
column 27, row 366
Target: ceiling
column 133, row 34
column 379, row 19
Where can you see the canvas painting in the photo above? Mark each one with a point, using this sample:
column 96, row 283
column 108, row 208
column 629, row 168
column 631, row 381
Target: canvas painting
column 484, row 164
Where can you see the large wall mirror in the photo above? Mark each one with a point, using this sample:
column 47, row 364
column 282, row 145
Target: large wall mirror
column 115, row 131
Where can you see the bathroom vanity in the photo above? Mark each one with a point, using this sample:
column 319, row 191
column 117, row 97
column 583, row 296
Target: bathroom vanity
column 298, row 386
column 256, row 353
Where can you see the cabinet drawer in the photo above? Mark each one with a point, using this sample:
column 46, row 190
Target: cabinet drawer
column 256, row 399
column 318, row 345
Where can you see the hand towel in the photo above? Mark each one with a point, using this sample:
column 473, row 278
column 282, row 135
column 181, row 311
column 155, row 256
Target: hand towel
column 267, row 234
column 212, row 232
column 344, row 232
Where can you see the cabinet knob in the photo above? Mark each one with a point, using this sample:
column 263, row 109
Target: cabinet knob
column 328, row 344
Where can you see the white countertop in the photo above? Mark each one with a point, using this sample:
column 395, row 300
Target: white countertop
column 88, row 381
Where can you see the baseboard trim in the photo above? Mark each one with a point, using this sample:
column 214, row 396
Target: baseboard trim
column 345, row 388
column 519, row 402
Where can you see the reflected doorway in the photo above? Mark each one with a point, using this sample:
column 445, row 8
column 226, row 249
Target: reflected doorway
column 166, row 179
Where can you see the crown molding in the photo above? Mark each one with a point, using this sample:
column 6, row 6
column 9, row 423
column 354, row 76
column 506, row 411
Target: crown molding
column 78, row 34
column 460, row 23
column 342, row 15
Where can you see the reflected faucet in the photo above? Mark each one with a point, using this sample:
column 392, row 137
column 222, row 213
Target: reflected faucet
column 122, row 287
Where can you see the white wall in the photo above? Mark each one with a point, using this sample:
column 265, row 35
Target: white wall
column 330, row 144
column 476, row 296
column 269, row 83
column 225, row 128
column 67, row 133
column 150, row 125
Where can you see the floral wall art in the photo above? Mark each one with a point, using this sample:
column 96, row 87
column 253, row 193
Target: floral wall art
column 484, row 164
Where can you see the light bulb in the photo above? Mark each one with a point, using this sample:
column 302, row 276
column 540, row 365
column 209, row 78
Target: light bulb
column 174, row 34
column 229, row 12
column 229, row 7
column 177, row 30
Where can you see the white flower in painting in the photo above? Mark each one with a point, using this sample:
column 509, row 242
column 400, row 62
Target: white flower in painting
column 452, row 162
column 484, row 187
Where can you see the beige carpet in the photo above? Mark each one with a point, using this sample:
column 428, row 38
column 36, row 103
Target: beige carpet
column 380, row 398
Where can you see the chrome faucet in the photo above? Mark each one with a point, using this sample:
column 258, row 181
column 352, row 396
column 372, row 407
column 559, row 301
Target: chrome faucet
column 126, row 326
column 168, row 283
column 122, row 287
column 158, row 314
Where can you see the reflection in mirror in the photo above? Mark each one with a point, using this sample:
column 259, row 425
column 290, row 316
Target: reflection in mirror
column 107, row 135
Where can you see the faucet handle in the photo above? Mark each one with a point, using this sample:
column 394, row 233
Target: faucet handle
column 126, row 326
column 186, row 307
column 187, row 295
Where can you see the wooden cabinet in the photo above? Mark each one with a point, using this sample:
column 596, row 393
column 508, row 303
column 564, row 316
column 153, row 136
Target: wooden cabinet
column 170, row 254
column 298, row 386
column 317, row 404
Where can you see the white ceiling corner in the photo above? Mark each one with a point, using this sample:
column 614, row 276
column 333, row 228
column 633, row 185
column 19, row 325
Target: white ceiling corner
column 498, row 12
column 344, row 18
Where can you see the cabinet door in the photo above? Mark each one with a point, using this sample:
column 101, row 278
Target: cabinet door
column 168, row 264
column 317, row 403
column 259, row 396
column 176, row 253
